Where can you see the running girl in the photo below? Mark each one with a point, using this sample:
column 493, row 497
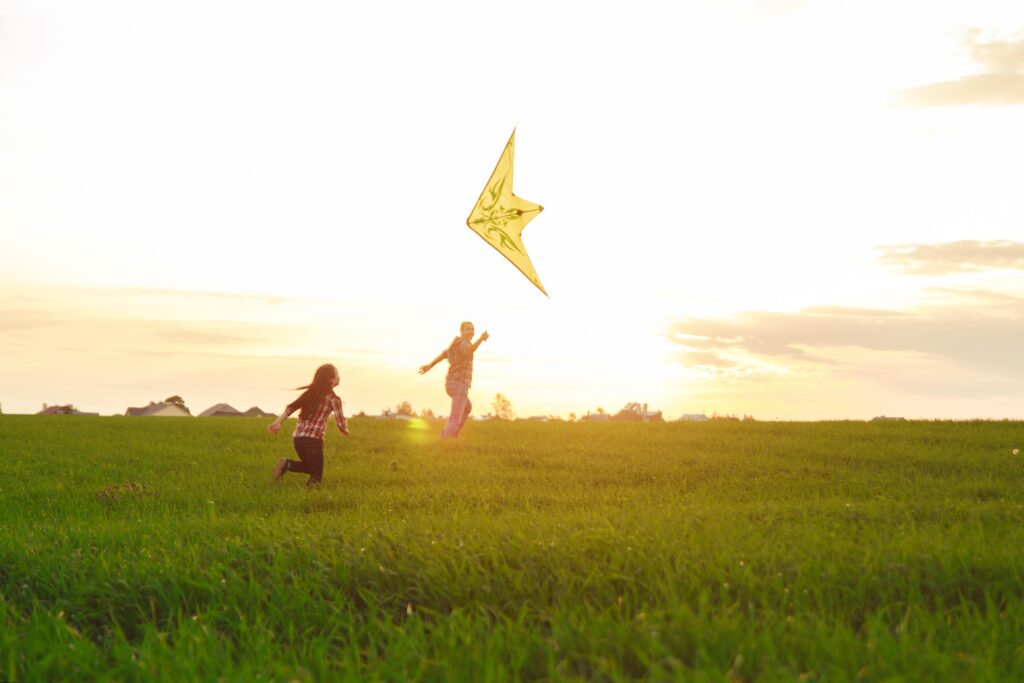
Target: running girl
column 317, row 403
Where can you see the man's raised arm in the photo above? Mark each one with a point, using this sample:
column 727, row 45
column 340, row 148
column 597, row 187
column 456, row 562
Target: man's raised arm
column 481, row 339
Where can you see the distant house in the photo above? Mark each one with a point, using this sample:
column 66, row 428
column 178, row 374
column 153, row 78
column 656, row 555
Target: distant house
column 693, row 417
column 62, row 410
column 256, row 412
column 220, row 410
column 158, row 410
column 637, row 412
column 595, row 417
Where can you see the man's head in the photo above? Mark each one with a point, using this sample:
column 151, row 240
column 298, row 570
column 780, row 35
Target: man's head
column 466, row 330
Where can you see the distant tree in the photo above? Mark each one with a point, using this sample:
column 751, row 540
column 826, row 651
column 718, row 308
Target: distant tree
column 600, row 411
column 404, row 408
column 178, row 401
column 572, row 417
column 502, row 407
column 427, row 414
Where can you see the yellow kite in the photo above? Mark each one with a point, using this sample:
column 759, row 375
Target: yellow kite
column 499, row 216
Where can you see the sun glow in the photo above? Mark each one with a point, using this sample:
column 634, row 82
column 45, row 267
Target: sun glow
column 242, row 212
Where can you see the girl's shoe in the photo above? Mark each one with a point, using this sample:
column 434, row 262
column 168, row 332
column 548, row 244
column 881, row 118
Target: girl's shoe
column 280, row 468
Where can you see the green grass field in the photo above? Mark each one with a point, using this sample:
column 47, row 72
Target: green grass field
column 158, row 549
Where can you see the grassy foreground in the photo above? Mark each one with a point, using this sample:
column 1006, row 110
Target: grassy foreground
column 158, row 549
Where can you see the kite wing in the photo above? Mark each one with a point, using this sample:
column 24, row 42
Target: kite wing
column 499, row 216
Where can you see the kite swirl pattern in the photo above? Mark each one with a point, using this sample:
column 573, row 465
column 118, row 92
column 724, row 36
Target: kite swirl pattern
column 493, row 218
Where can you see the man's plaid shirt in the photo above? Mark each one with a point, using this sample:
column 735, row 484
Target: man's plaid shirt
column 315, row 424
column 460, row 361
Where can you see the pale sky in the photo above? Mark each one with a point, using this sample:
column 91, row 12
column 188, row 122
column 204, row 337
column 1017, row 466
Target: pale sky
column 796, row 210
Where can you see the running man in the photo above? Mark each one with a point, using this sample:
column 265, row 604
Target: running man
column 460, row 375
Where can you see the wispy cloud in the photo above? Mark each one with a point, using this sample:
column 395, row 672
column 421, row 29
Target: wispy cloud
column 710, row 359
column 998, row 55
column 984, row 338
column 954, row 257
column 976, row 296
column 24, row 320
column 993, row 89
column 105, row 348
column 202, row 337
column 201, row 294
column 851, row 311
column 1001, row 84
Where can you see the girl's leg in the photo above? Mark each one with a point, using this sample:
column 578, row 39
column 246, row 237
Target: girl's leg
column 296, row 465
column 302, row 445
column 315, row 458
column 311, row 453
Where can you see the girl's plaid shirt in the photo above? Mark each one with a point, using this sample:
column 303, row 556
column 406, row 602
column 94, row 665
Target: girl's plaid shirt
column 315, row 425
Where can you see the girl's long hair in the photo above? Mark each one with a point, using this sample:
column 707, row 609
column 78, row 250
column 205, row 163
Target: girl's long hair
column 315, row 391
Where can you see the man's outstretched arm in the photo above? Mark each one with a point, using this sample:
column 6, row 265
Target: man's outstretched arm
column 440, row 357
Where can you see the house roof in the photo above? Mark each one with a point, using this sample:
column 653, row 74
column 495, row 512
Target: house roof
column 151, row 409
column 219, row 409
column 139, row 412
column 255, row 411
column 58, row 410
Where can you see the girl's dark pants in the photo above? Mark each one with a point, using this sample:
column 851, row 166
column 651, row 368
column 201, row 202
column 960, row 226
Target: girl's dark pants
column 311, row 455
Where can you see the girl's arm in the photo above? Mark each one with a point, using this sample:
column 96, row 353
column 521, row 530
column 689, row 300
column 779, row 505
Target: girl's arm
column 340, row 419
column 275, row 426
column 440, row 357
